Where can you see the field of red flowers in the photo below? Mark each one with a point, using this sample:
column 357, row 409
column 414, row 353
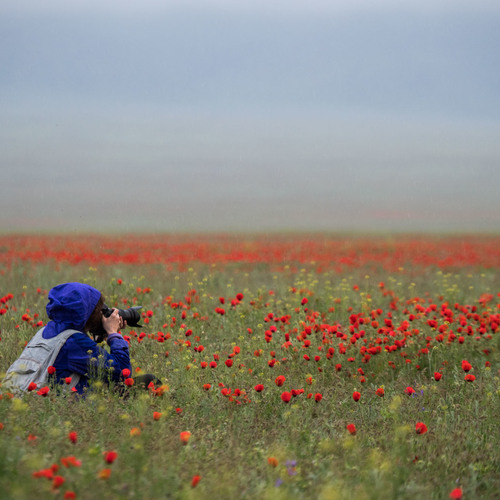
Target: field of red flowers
column 293, row 366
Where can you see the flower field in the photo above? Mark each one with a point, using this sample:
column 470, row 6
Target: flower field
column 292, row 366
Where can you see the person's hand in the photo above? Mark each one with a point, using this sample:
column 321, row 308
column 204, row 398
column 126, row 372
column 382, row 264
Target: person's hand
column 113, row 323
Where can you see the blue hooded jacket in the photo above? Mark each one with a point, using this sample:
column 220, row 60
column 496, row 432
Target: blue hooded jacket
column 70, row 306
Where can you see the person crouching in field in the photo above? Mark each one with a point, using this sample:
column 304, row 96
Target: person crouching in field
column 75, row 310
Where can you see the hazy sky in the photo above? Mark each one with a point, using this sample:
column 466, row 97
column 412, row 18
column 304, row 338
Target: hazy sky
column 250, row 115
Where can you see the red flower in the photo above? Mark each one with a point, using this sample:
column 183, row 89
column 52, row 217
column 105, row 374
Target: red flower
column 129, row 382
column 110, row 456
column 104, row 474
column 259, row 387
column 469, row 377
column 126, row 373
column 195, row 481
column 70, row 461
column 73, row 437
column 207, row 387
column 272, row 461
column 47, row 473
column 32, row 386
column 466, row 366
column 57, row 482
column 239, row 296
column 380, row 392
column 69, row 495
column 437, row 376
column 304, row 301
column 280, row 380
column 456, row 494
column 356, row 395
column 286, row 396
column 157, row 415
column 185, row 436
column 203, row 364
column 67, row 380
column 352, row 429
column 43, row 391
column 51, row 370
column 213, row 364
column 420, row 428
column 409, row 391
column 318, row 397
column 229, row 363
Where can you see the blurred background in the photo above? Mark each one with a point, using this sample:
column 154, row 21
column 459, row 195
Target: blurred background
column 120, row 115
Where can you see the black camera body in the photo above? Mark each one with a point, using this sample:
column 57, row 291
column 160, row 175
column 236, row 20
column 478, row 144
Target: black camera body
column 130, row 315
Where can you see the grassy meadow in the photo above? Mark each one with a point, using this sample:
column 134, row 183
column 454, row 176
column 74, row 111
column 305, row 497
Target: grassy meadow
column 371, row 372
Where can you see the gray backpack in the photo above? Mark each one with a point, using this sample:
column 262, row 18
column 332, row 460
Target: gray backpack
column 34, row 361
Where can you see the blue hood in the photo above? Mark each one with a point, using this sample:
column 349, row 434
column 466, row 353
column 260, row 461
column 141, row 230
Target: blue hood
column 70, row 306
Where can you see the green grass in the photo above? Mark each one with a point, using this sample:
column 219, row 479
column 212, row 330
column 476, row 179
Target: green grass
column 230, row 443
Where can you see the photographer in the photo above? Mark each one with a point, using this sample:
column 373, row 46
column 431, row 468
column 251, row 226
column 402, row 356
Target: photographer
column 75, row 309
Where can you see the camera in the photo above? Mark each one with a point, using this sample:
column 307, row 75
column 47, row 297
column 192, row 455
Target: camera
column 130, row 315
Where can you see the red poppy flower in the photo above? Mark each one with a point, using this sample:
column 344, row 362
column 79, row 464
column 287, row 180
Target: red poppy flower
column 57, row 482
column 469, row 377
column 51, row 370
column 280, row 380
column 304, row 301
column 110, row 456
column 129, row 382
column 104, row 474
column 420, row 428
column 259, row 387
column 437, row 376
column 409, row 391
column 356, row 395
column 352, row 429
column 157, row 415
column 272, row 461
column 195, row 481
column 135, row 431
column 73, row 437
column 185, row 436
column 213, row 364
column 286, row 396
column 126, row 373
column 207, row 386
column 70, row 461
column 456, row 494
column 47, row 473
column 466, row 366
column 203, row 364
column 229, row 363
column 32, row 387
column 69, row 495
column 380, row 392
column 43, row 391
column 318, row 397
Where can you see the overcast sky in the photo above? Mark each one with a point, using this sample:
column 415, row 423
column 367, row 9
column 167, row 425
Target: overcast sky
column 250, row 115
